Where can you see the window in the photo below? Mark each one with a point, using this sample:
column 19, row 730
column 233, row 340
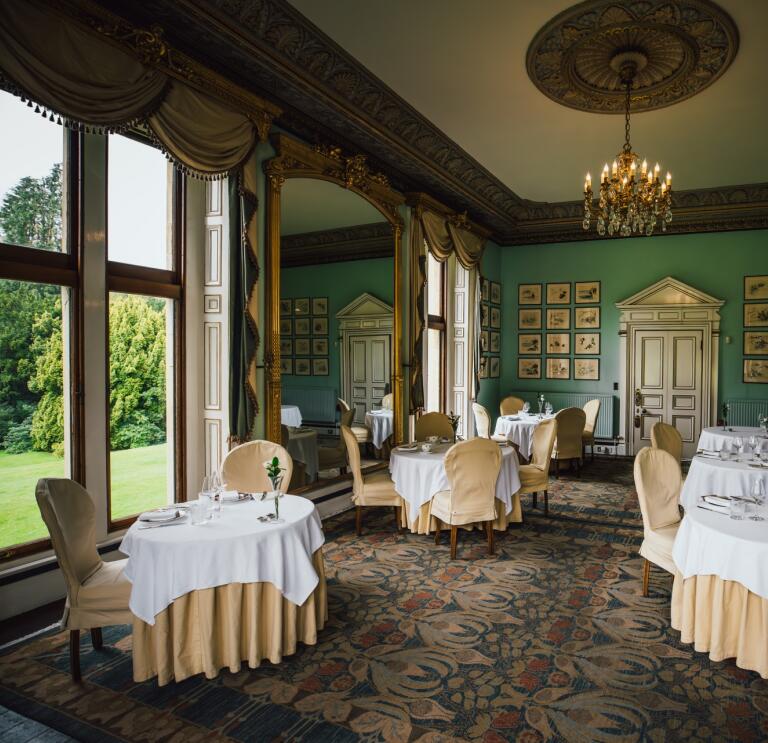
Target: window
column 436, row 326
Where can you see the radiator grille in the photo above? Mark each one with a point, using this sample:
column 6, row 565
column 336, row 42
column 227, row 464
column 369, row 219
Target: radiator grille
column 746, row 412
column 317, row 404
column 560, row 400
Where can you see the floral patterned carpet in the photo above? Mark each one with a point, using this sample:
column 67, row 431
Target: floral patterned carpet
column 549, row 640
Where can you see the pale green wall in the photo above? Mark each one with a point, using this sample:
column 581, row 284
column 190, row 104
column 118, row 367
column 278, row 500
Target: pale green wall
column 715, row 263
column 341, row 283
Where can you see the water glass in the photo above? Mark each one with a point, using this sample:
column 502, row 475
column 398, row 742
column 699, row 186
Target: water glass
column 738, row 509
column 196, row 512
column 758, row 493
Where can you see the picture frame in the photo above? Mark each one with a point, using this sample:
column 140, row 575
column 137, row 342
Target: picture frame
column 495, row 317
column 320, row 367
column 483, row 370
column 755, row 343
column 301, row 345
column 529, row 343
column 484, row 289
column 586, row 292
column 495, row 292
column 301, row 367
column 558, row 343
column 286, row 307
column 495, row 342
column 586, row 343
column 586, row 317
column 286, row 326
column 756, row 371
column 319, row 326
column 529, row 294
column 558, row 368
column 529, row 368
column 301, row 306
column 319, row 346
column 529, row 319
column 286, row 347
column 485, row 315
column 558, row 319
column 319, row 306
column 755, row 287
column 586, row 369
column 559, row 293
column 301, row 326
column 495, row 367
column 485, row 344
column 286, row 366
column 756, row 315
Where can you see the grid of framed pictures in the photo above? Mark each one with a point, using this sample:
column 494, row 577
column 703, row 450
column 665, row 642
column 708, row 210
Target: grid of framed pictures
column 558, row 329
column 490, row 329
column 304, row 336
column 756, row 329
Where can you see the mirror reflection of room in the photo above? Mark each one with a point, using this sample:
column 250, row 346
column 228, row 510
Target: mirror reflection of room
column 336, row 295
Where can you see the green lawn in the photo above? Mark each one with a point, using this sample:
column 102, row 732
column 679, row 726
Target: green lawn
column 138, row 483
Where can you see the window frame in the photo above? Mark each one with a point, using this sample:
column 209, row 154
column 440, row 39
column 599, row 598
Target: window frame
column 439, row 323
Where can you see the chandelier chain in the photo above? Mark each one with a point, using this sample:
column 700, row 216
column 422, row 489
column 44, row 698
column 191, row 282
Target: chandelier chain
column 627, row 145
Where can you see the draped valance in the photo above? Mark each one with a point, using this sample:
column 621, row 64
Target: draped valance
column 444, row 237
column 90, row 81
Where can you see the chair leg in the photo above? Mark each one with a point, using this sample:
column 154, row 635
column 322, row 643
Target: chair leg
column 359, row 520
column 454, row 541
column 397, row 517
column 592, row 453
column 578, row 468
column 489, row 532
column 437, row 530
column 96, row 639
column 74, row 655
column 646, row 576
column 557, row 469
column 535, row 500
column 546, row 503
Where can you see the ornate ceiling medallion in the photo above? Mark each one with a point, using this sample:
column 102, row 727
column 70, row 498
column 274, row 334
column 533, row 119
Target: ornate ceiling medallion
column 685, row 45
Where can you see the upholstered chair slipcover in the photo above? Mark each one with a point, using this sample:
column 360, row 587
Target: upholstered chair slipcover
column 568, row 444
column 482, row 421
column 243, row 467
column 511, row 405
column 534, row 477
column 362, row 433
column 591, row 410
column 472, row 468
column 433, row 424
column 668, row 438
column 330, row 457
column 658, row 481
column 299, row 476
column 375, row 490
column 97, row 591
column 387, row 401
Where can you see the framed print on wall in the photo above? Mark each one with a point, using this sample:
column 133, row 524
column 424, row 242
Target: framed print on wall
column 756, row 287
column 483, row 374
column 586, row 317
column 319, row 346
column 319, row 326
column 484, row 341
column 529, row 343
column 755, row 343
column 302, row 346
column 558, row 319
column 558, row 343
column 529, row 368
column 286, row 307
column 586, row 343
column 320, row 367
column 286, row 326
column 302, row 325
column 529, row 294
column 495, row 317
column 587, row 292
column 558, row 368
column 485, row 289
column 495, row 292
column 559, row 293
column 756, row 315
column 495, row 342
column 286, row 347
column 586, row 368
column 301, row 306
column 320, row 305
column 485, row 315
column 529, row 319
column 301, row 367
column 755, row 371
column 286, row 366
column 495, row 369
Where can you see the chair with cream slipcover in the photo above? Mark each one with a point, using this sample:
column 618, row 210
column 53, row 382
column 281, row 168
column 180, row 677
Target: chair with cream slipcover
column 534, row 477
column 658, row 481
column 243, row 467
column 330, row 457
column 299, row 476
column 472, row 468
column 433, row 424
column 483, row 424
column 591, row 410
column 362, row 433
column 668, row 438
column 97, row 591
column 387, row 401
column 375, row 490
column 511, row 405
column 570, row 429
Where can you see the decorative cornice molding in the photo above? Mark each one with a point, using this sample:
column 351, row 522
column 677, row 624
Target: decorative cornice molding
column 341, row 244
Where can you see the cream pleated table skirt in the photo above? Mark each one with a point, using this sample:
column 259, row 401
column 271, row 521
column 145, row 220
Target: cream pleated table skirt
column 424, row 524
column 722, row 618
column 214, row 628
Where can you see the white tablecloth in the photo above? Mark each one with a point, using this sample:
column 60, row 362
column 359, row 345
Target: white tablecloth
column 709, row 476
column 711, row 543
column 380, row 423
column 712, row 439
column 167, row 562
column 419, row 476
column 302, row 446
column 519, row 429
column 290, row 415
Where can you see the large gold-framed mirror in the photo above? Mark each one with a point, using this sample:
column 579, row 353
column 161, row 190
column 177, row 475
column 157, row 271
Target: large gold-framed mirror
column 333, row 292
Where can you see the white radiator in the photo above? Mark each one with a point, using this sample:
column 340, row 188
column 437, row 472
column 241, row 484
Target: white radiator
column 745, row 412
column 317, row 404
column 560, row 400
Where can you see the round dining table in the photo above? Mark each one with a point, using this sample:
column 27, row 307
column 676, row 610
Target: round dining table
column 519, row 429
column 381, row 424
column 290, row 416
column 302, row 446
column 716, row 437
column 235, row 588
column 711, row 475
column 419, row 475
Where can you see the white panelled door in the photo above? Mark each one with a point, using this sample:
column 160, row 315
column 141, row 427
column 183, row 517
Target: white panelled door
column 368, row 372
column 668, row 384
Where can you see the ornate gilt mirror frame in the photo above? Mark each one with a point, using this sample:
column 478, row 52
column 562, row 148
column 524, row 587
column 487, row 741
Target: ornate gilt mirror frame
column 295, row 159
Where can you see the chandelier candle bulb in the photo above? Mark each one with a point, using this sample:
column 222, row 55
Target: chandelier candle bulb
column 644, row 168
column 604, row 176
column 669, row 178
column 615, row 167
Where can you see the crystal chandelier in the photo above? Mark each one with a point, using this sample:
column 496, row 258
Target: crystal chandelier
column 631, row 199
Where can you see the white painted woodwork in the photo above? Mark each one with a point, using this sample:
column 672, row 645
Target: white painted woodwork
column 459, row 367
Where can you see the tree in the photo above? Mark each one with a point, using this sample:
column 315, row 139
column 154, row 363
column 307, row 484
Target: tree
column 31, row 212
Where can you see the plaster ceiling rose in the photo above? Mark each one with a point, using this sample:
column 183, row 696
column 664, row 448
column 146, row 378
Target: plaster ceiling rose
column 678, row 47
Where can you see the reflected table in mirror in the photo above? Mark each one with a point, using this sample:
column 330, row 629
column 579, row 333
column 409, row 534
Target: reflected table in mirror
column 381, row 424
column 290, row 416
column 302, row 446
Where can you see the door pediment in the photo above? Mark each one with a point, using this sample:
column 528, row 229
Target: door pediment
column 364, row 306
column 669, row 291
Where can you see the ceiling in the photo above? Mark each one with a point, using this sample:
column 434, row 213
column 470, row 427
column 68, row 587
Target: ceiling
column 465, row 71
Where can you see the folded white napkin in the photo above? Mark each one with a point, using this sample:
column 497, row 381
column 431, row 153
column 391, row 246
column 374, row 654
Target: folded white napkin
column 160, row 516
column 229, row 495
column 717, row 500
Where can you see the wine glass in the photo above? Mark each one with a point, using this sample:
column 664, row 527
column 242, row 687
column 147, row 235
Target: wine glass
column 548, row 408
column 738, row 443
column 526, row 407
column 758, row 493
column 216, row 487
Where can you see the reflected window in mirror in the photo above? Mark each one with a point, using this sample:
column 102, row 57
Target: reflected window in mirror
column 436, row 327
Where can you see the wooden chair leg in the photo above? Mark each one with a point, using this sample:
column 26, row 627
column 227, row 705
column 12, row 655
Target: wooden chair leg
column 74, row 655
column 489, row 532
column 359, row 520
column 546, row 503
column 437, row 531
column 396, row 509
column 535, row 500
column 96, row 638
column 454, row 541
column 646, row 576
column 557, row 469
